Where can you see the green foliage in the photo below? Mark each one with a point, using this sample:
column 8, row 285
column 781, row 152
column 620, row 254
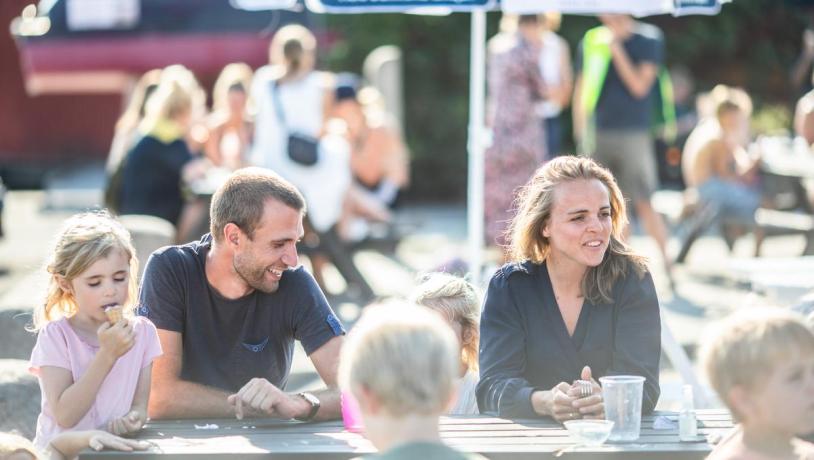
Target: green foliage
column 752, row 44
column 771, row 120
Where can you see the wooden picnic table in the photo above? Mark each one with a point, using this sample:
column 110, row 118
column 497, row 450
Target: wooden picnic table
column 493, row 437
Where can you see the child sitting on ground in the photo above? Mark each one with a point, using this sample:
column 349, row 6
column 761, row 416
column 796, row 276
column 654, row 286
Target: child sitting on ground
column 400, row 362
column 761, row 364
column 458, row 303
column 94, row 370
column 64, row 446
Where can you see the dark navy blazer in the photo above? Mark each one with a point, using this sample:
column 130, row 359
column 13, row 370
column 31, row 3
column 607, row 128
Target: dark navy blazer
column 525, row 346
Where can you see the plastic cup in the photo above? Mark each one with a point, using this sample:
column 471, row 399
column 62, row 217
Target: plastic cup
column 351, row 415
column 623, row 405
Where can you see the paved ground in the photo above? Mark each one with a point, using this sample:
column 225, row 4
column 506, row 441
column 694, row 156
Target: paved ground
column 704, row 291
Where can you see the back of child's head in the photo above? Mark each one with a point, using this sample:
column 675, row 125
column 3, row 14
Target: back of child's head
column 84, row 239
column 745, row 348
column 457, row 300
column 16, row 447
column 403, row 354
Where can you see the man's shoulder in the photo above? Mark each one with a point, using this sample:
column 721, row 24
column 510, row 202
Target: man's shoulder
column 648, row 31
column 175, row 258
column 297, row 279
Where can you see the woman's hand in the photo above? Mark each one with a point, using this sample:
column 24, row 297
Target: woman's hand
column 556, row 403
column 117, row 339
column 589, row 406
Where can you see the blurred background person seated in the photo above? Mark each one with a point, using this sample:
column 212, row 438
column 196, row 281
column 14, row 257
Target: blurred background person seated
column 723, row 173
column 379, row 157
column 126, row 135
column 162, row 158
column 230, row 127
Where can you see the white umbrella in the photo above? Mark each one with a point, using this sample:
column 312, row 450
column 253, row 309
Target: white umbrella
column 476, row 144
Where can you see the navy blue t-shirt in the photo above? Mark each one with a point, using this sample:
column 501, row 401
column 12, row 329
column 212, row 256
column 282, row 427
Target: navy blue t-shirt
column 617, row 109
column 227, row 342
column 151, row 179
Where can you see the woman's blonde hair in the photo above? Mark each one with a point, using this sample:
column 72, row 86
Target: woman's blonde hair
column 136, row 106
column 177, row 93
column 290, row 45
column 458, row 302
column 404, row 354
column 749, row 340
column 14, row 443
column 234, row 75
column 534, row 203
column 84, row 239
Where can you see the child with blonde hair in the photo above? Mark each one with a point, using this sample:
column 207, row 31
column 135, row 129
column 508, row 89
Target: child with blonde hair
column 761, row 364
column 65, row 446
column 458, row 303
column 400, row 363
column 94, row 371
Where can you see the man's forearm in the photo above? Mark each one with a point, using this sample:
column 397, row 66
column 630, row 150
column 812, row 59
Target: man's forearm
column 329, row 404
column 184, row 399
column 638, row 85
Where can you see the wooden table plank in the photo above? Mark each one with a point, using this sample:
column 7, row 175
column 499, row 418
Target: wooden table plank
column 493, row 437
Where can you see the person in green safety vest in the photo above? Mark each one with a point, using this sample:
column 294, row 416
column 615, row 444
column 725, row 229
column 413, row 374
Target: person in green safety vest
column 617, row 66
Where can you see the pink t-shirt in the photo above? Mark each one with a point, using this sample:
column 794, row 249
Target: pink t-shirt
column 59, row 346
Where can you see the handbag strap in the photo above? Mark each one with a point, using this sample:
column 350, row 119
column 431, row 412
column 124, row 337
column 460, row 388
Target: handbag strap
column 275, row 97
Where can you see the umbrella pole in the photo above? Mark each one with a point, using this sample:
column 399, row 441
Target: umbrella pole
column 475, row 147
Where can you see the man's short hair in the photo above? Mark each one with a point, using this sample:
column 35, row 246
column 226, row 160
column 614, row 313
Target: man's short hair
column 404, row 354
column 746, row 346
column 242, row 198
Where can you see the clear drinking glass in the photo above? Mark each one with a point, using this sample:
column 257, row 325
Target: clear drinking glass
column 623, row 405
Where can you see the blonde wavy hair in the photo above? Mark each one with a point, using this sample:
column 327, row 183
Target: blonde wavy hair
column 457, row 300
column 534, row 203
column 404, row 354
column 752, row 339
column 11, row 443
column 84, row 239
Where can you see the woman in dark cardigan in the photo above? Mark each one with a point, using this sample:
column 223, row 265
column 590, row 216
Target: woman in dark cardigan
column 576, row 303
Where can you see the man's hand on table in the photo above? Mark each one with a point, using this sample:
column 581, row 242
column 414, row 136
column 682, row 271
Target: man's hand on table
column 261, row 397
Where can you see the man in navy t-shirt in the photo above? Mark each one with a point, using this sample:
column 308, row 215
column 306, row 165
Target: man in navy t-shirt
column 229, row 307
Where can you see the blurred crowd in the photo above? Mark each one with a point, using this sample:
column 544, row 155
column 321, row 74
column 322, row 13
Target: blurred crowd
column 170, row 149
column 633, row 115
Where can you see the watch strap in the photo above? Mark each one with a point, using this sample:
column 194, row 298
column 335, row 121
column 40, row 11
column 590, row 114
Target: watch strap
column 314, row 401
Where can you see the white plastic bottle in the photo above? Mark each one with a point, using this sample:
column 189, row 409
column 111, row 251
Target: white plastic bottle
column 687, row 424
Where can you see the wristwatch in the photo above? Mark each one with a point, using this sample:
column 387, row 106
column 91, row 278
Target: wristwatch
column 314, row 402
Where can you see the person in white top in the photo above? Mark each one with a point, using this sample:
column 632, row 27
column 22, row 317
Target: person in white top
column 291, row 97
column 555, row 67
column 458, row 302
column 304, row 95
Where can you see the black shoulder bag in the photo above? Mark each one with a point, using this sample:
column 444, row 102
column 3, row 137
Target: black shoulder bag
column 302, row 148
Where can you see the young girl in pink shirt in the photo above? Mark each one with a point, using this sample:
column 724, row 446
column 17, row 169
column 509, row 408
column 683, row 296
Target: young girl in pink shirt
column 94, row 372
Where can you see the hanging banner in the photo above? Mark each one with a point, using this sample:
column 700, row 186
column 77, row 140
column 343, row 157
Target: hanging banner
column 261, row 5
column 708, row 7
column 632, row 7
column 395, row 6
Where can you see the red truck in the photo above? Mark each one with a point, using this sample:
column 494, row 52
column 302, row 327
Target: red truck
column 68, row 65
